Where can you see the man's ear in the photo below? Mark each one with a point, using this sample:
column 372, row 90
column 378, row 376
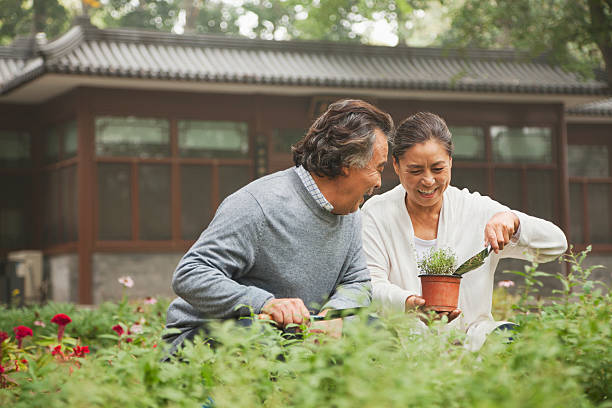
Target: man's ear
column 344, row 171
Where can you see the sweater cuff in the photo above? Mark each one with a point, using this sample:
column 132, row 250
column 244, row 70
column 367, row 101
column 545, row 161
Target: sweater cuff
column 257, row 298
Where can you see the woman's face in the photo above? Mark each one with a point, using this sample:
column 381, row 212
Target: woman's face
column 425, row 171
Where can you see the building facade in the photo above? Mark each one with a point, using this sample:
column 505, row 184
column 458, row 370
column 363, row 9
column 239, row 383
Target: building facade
column 117, row 146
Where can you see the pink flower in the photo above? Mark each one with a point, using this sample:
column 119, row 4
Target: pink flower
column 150, row 300
column 505, row 284
column 136, row 328
column 39, row 323
column 79, row 351
column 126, row 281
column 21, row 332
column 61, row 320
column 1, row 369
column 118, row 329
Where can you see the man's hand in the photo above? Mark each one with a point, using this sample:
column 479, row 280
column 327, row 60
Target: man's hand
column 415, row 303
column 500, row 228
column 332, row 328
column 285, row 311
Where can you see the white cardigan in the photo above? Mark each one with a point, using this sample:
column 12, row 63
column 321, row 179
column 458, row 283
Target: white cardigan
column 388, row 242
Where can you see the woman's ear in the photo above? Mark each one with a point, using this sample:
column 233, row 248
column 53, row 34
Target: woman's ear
column 395, row 165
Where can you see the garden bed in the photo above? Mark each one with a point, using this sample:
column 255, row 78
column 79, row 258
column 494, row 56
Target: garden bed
column 111, row 356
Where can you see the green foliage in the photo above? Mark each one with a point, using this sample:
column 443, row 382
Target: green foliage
column 560, row 357
column 442, row 261
column 23, row 17
column 575, row 33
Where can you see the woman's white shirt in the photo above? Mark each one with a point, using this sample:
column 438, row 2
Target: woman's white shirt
column 389, row 245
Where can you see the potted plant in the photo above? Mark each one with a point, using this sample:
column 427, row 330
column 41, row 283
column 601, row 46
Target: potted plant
column 439, row 287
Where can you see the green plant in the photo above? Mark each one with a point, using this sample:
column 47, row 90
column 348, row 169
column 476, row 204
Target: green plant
column 441, row 261
column 560, row 357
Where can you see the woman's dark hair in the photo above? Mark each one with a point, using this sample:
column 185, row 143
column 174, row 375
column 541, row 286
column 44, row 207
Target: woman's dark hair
column 419, row 128
column 342, row 137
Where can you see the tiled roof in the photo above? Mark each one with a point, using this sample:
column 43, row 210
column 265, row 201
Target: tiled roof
column 87, row 50
column 599, row 108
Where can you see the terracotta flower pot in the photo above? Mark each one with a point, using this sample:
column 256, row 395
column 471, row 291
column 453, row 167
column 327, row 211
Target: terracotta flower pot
column 441, row 292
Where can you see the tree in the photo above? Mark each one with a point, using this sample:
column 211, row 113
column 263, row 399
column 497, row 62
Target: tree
column 575, row 33
column 23, row 17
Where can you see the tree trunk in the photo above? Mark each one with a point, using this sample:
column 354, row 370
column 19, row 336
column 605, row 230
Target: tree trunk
column 601, row 30
column 192, row 9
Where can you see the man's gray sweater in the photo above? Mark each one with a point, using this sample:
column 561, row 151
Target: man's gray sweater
column 270, row 239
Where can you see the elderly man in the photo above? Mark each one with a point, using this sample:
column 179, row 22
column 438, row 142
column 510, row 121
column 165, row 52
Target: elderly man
column 289, row 244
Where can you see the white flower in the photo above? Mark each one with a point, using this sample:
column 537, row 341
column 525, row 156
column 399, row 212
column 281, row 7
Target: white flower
column 505, row 284
column 126, row 281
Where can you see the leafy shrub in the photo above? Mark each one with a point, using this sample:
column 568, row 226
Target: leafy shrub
column 561, row 357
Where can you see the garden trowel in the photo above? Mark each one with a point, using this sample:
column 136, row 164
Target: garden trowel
column 474, row 262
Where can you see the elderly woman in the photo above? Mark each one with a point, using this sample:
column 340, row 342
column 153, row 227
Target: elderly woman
column 425, row 211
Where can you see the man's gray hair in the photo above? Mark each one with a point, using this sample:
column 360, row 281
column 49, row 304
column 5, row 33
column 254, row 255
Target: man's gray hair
column 342, row 137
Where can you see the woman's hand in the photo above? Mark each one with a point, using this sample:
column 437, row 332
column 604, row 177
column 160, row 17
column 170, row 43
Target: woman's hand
column 500, row 228
column 415, row 302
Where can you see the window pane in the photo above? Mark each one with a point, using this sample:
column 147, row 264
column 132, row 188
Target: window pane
column 154, row 202
column 576, row 219
column 199, row 138
column 283, row 139
column 472, row 179
column 508, row 188
column 588, row 161
column 468, row 142
column 196, row 200
column 521, row 145
column 13, row 216
column 114, row 202
column 51, row 230
column 541, row 194
column 52, row 145
column 70, row 140
column 14, row 149
column 599, row 213
column 69, row 212
column 129, row 136
column 231, row 178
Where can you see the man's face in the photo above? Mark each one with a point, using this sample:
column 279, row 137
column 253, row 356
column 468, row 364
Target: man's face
column 357, row 182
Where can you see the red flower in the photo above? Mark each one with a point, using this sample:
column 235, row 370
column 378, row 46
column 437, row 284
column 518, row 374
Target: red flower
column 129, row 340
column 61, row 320
column 21, row 332
column 3, row 336
column 1, row 369
column 118, row 329
column 79, row 351
column 57, row 350
column 24, row 361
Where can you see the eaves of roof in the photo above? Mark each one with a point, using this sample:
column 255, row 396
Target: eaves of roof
column 601, row 108
column 128, row 53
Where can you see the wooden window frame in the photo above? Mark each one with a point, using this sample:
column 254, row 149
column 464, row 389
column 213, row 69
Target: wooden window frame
column 585, row 182
column 176, row 243
column 490, row 166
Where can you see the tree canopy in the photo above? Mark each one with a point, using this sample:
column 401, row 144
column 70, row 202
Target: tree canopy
column 575, row 33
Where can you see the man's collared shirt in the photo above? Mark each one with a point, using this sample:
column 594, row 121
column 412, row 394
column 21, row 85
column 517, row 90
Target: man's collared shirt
column 312, row 188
